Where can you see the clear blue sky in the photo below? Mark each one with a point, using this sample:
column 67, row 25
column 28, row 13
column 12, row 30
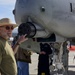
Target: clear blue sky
column 6, row 7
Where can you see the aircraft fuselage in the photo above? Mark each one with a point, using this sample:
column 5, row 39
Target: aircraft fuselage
column 56, row 16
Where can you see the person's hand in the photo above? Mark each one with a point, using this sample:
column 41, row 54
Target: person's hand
column 22, row 39
column 42, row 52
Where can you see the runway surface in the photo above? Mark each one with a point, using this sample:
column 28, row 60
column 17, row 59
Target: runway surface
column 71, row 63
column 33, row 65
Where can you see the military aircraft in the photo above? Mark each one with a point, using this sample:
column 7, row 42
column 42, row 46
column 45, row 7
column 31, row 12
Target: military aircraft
column 46, row 22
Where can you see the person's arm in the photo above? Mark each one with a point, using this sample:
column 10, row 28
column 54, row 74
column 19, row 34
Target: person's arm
column 19, row 41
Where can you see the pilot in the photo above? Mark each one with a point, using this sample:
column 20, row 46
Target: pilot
column 7, row 60
column 43, row 63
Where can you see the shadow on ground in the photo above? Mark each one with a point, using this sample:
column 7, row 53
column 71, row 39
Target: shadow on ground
column 71, row 72
column 71, row 66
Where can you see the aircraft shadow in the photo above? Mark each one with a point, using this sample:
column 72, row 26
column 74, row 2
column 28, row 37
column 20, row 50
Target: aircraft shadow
column 71, row 66
column 70, row 72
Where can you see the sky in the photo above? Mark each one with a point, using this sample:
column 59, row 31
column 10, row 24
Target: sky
column 6, row 7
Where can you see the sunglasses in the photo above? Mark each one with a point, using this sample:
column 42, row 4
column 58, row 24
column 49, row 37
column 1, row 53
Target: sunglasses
column 8, row 27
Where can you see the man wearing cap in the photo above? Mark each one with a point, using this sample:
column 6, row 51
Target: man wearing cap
column 7, row 60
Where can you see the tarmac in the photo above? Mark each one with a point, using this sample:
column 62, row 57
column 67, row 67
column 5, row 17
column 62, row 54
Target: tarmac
column 33, row 65
column 71, row 64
